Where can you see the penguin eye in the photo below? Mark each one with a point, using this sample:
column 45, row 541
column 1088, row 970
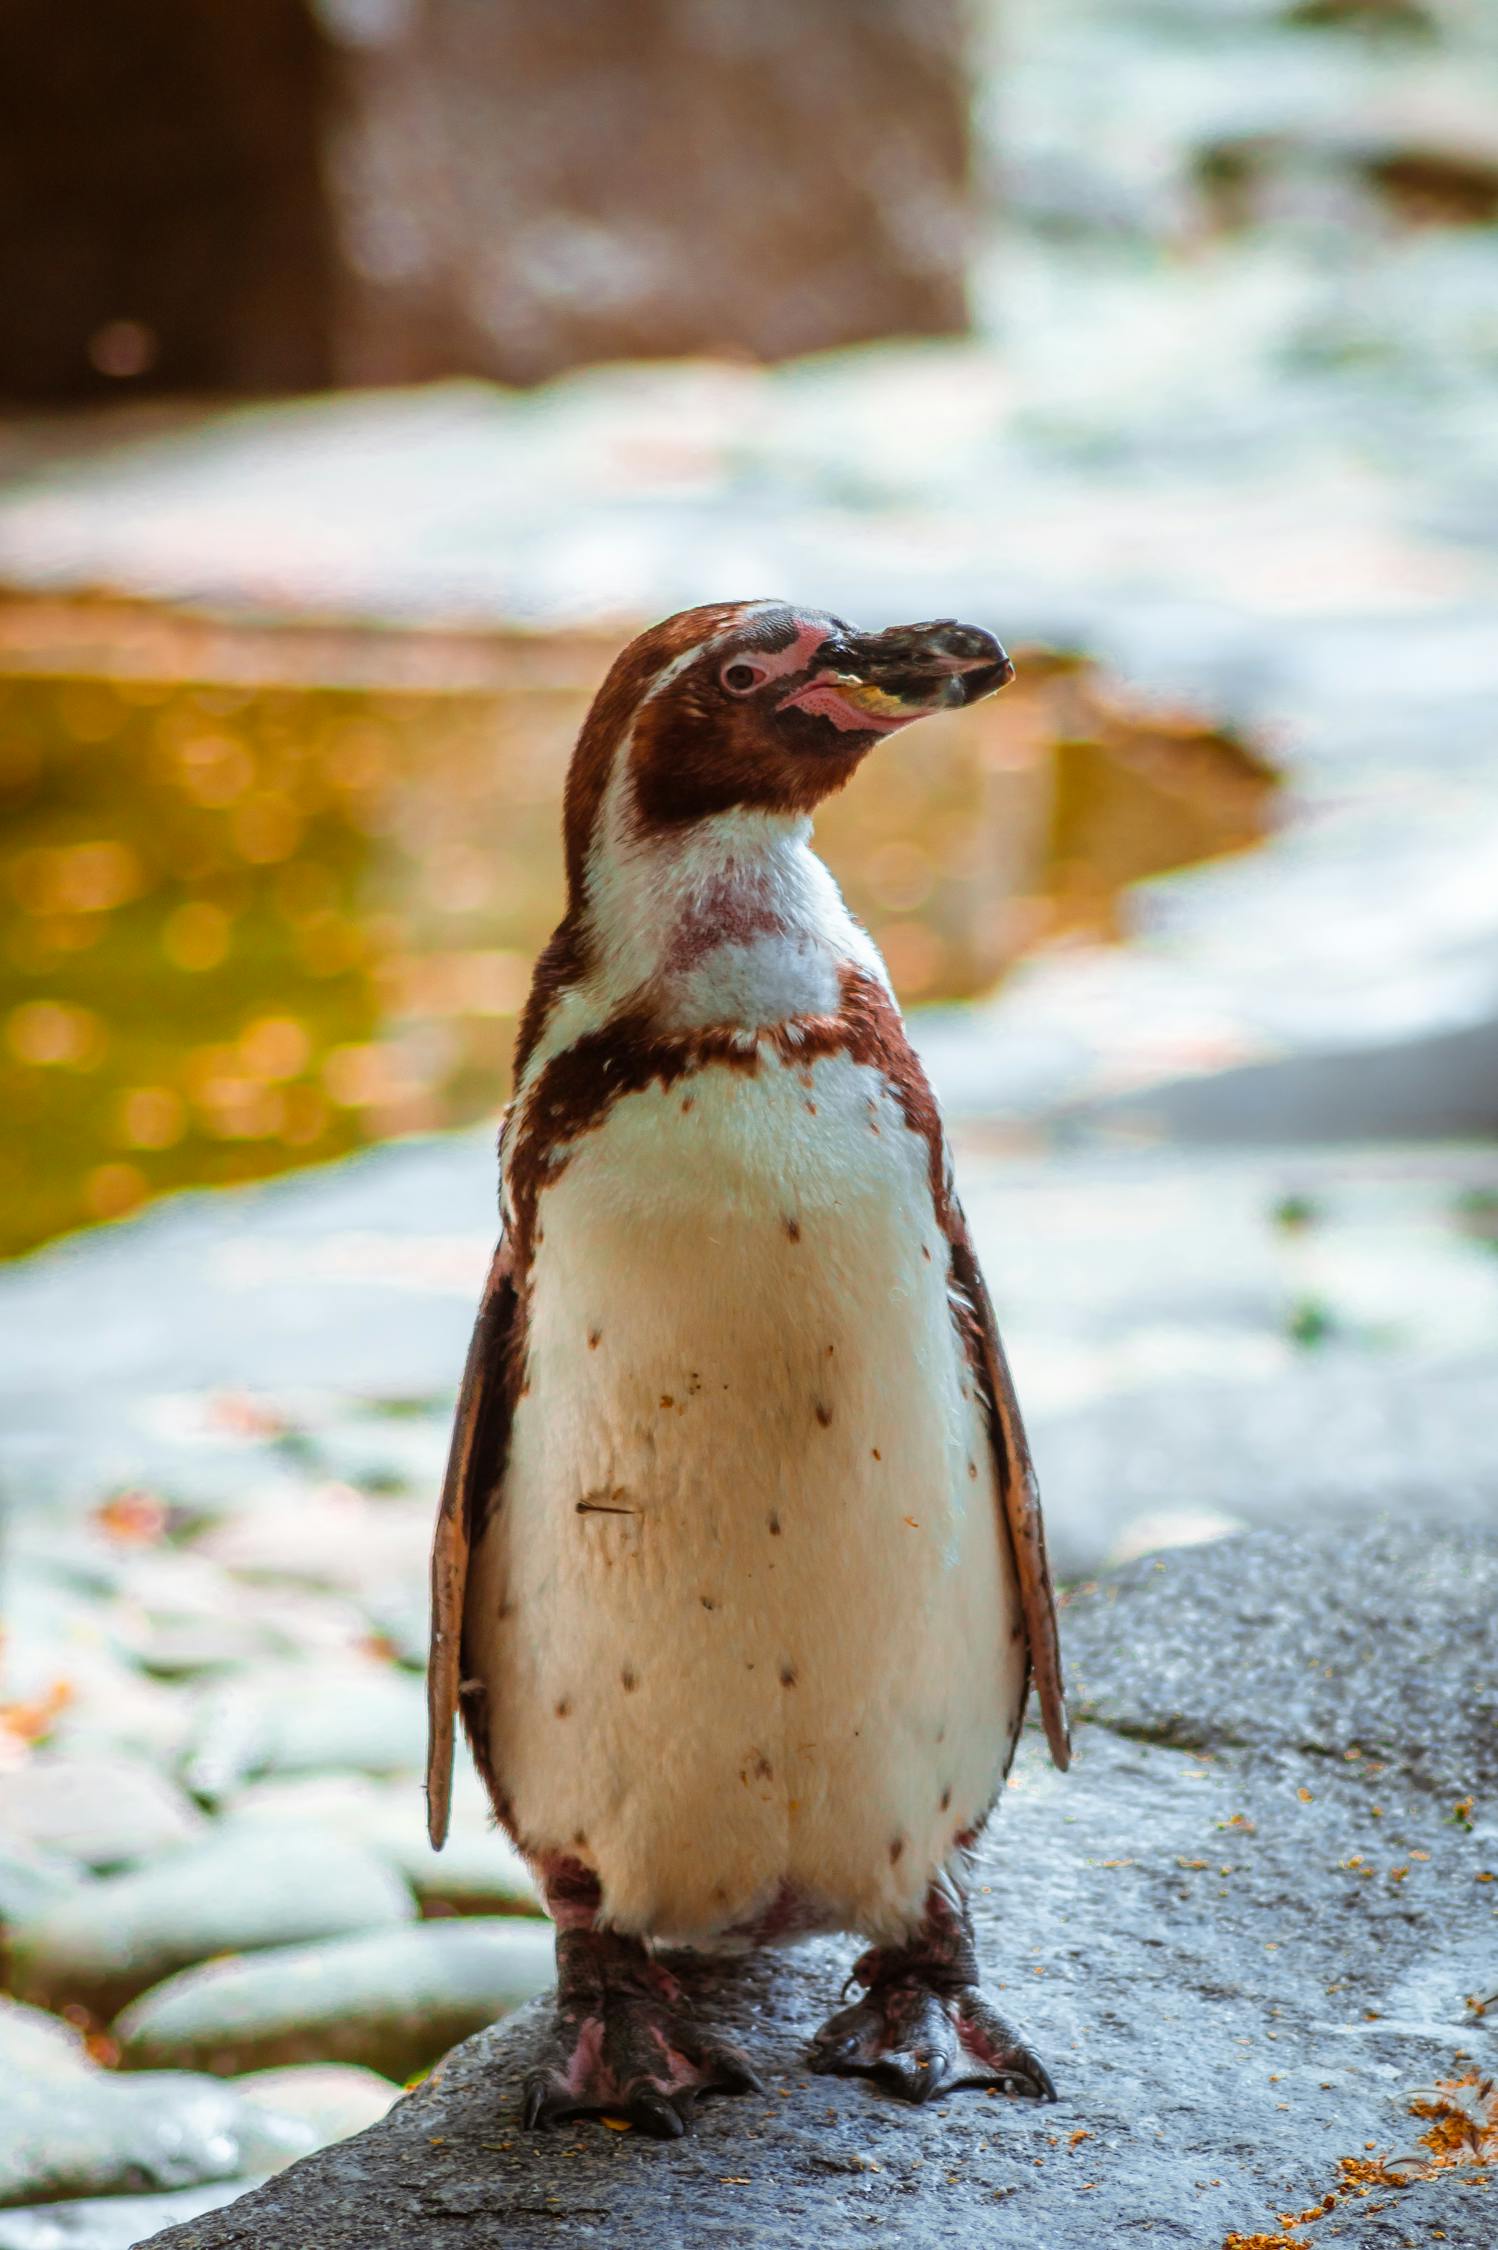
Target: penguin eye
column 740, row 677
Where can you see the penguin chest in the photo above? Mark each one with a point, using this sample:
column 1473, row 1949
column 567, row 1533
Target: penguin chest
column 745, row 1613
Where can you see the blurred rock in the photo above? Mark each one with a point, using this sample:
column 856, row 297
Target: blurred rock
column 366, row 1717
column 1152, row 1532
column 107, row 1811
column 1433, row 185
column 395, row 1453
column 334, row 2099
column 762, row 177
column 478, row 1871
column 111, row 2222
column 31, row 2040
column 331, row 1536
column 1401, row 16
column 236, row 1892
column 1437, row 1086
column 356, row 194
column 182, row 1614
column 70, row 2129
column 1429, row 171
column 30, row 1881
column 101, row 1705
column 392, row 2003
column 162, row 213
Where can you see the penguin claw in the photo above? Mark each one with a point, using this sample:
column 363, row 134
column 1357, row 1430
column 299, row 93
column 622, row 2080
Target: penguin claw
column 653, row 2113
column 638, row 2060
column 543, row 2100
column 919, row 2043
column 995, row 2047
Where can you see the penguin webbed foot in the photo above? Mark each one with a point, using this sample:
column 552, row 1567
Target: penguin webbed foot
column 924, row 2026
column 624, row 2043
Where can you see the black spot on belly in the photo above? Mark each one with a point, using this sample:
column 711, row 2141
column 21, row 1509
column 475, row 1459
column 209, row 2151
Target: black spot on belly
column 787, row 1675
column 595, row 1338
column 707, row 1601
column 896, row 1850
column 793, row 1230
column 628, row 1681
column 774, row 1525
column 944, row 1799
column 824, row 1414
column 564, row 1707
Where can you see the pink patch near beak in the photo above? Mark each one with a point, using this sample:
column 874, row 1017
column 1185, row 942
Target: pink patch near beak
column 824, row 701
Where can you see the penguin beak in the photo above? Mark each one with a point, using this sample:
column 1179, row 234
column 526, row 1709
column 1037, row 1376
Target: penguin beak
column 876, row 682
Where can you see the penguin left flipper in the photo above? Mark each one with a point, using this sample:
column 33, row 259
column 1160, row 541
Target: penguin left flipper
column 475, row 1464
column 1017, row 1483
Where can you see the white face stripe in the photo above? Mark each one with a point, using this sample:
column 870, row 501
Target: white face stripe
column 774, row 663
column 668, row 674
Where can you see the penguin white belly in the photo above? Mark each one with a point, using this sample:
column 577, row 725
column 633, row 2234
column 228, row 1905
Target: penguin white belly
column 746, row 1614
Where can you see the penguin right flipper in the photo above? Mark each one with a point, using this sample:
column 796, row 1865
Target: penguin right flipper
column 475, row 1464
column 1017, row 1485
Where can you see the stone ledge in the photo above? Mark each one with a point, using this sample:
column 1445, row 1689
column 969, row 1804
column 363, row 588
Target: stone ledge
column 1210, row 1946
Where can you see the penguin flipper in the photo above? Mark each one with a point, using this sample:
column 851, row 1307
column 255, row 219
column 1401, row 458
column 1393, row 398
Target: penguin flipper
column 1018, row 1486
column 475, row 1464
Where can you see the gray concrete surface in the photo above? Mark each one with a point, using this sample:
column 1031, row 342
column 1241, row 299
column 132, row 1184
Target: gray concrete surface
column 1244, row 1933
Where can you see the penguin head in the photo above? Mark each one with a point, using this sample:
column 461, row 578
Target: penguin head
column 758, row 706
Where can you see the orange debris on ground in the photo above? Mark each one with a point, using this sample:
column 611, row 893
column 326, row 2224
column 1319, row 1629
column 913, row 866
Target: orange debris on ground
column 1457, row 2138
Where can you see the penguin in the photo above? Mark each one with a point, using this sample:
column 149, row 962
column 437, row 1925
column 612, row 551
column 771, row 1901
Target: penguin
column 739, row 1579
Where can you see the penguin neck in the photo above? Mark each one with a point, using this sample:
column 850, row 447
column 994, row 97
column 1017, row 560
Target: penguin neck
column 731, row 921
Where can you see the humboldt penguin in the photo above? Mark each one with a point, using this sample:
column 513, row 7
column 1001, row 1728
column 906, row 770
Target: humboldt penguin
column 739, row 1580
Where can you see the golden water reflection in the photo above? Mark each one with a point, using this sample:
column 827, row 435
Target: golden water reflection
column 251, row 922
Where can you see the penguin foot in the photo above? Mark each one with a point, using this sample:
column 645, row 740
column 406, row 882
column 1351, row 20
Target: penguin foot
column 919, row 2042
column 923, row 2026
column 624, row 2043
